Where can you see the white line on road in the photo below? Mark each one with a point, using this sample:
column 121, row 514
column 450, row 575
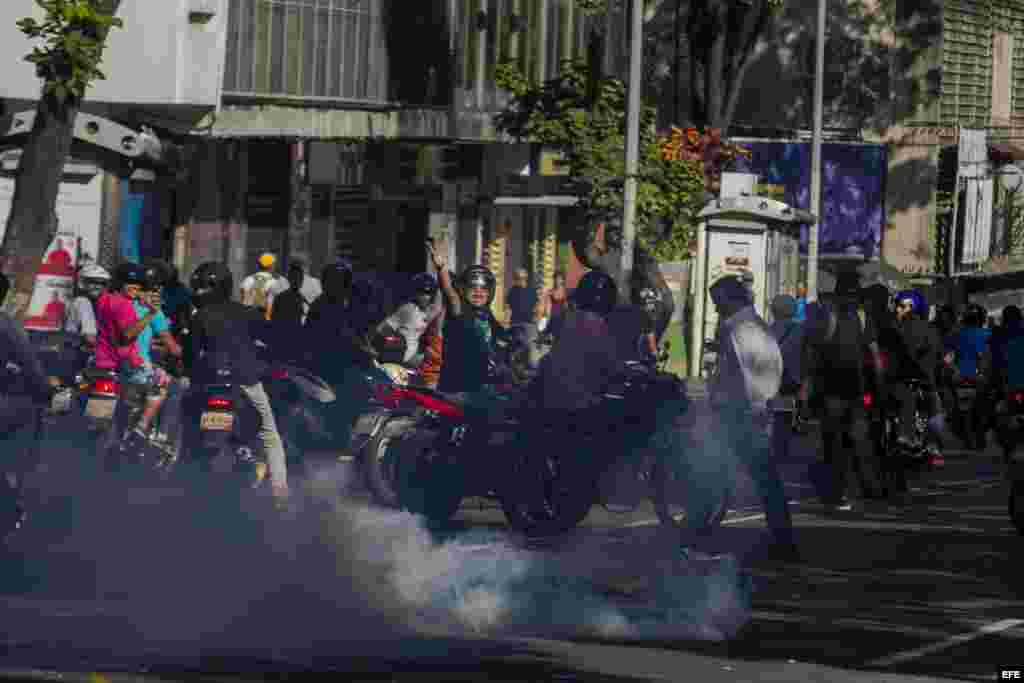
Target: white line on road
column 734, row 520
column 953, row 641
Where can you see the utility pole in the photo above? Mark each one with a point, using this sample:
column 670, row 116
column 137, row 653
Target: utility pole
column 632, row 142
column 819, row 86
column 453, row 60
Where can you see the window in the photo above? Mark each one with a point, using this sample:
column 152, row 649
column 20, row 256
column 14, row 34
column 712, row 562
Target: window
column 306, row 49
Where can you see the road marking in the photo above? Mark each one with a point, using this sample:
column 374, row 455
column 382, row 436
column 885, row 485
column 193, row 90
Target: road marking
column 734, row 520
column 926, row 650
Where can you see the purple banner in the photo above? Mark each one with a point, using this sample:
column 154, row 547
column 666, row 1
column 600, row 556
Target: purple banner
column 853, row 191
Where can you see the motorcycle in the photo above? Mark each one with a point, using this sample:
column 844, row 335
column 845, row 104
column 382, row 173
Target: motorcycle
column 397, row 407
column 548, row 475
column 111, row 409
column 355, row 417
column 893, row 459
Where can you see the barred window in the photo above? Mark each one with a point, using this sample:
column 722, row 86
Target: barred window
column 306, row 49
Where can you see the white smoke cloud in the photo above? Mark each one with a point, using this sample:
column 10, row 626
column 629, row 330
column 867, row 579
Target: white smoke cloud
column 190, row 573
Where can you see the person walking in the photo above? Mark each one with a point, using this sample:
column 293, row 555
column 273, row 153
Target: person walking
column 749, row 375
column 789, row 333
column 258, row 289
column 839, row 341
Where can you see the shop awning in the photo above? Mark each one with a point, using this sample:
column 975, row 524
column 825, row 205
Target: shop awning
column 543, row 200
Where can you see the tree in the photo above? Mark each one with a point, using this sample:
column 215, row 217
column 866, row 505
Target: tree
column 723, row 38
column 586, row 121
column 73, row 35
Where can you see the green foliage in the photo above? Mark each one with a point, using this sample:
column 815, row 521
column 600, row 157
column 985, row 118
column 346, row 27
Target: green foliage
column 587, row 123
column 73, row 33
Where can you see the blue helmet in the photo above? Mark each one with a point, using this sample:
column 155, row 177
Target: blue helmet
column 916, row 299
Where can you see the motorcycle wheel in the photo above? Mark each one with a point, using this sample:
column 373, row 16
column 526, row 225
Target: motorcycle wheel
column 669, row 494
column 377, row 462
column 1016, row 505
column 547, row 499
column 425, row 485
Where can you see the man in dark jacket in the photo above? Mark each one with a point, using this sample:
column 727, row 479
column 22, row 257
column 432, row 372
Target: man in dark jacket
column 222, row 337
column 24, row 390
column 840, row 337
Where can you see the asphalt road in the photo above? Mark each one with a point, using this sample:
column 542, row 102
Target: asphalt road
column 131, row 578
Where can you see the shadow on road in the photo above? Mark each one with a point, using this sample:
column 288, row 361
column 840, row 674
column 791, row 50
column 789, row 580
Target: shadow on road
column 877, row 586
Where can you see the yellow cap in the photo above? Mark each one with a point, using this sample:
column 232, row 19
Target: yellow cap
column 267, row 260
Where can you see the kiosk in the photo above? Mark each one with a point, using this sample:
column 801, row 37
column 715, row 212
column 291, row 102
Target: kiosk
column 756, row 238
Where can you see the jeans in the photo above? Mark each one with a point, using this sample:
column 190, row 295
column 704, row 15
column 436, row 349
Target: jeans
column 844, row 441
column 273, row 447
column 742, row 437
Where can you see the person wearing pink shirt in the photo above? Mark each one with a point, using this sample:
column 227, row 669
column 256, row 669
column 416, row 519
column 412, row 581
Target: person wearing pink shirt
column 117, row 328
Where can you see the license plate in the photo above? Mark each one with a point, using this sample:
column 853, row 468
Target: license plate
column 100, row 408
column 219, row 422
column 966, row 393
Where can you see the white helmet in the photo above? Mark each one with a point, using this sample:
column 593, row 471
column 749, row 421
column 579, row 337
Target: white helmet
column 94, row 272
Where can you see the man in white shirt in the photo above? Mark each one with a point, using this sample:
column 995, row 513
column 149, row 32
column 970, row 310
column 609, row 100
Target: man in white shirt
column 413, row 317
column 81, row 318
column 749, row 375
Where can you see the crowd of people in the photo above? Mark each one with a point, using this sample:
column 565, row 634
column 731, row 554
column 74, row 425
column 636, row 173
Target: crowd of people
column 146, row 325
column 827, row 355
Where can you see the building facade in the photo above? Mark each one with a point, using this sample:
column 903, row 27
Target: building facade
column 358, row 128
column 163, row 75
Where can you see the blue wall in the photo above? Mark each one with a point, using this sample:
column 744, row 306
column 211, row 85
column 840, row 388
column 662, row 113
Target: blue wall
column 853, row 190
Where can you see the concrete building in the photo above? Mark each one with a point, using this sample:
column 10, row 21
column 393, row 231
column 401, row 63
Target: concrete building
column 357, row 128
column 164, row 73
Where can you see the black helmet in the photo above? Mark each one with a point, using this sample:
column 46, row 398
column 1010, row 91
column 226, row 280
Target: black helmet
column 336, row 278
column 158, row 273
column 424, row 283
column 478, row 276
column 975, row 315
column 211, row 282
column 596, row 292
column 155, row 278
column 130, row 274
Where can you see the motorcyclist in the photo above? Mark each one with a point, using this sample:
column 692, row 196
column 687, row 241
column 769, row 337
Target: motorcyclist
column 24, row 391
column 633, row 325
column 81, row 317
column 222, row 337
column 915, row 359
column 1007, row 351
column 413, row 317
column 329, row 322
column 118, row 328
column 470, row 329
column 962, row 361
column 157, row 337
column 585, row 357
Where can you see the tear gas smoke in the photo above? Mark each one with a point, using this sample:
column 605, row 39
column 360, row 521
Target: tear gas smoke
column 190, row 573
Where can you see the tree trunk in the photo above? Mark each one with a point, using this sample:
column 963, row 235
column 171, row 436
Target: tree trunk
column 32, row 222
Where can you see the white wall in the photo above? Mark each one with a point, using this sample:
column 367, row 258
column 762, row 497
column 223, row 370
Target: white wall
column 158, row 57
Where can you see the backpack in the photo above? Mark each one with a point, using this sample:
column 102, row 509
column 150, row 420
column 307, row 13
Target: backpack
column 845, row 338
column 259, row 295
